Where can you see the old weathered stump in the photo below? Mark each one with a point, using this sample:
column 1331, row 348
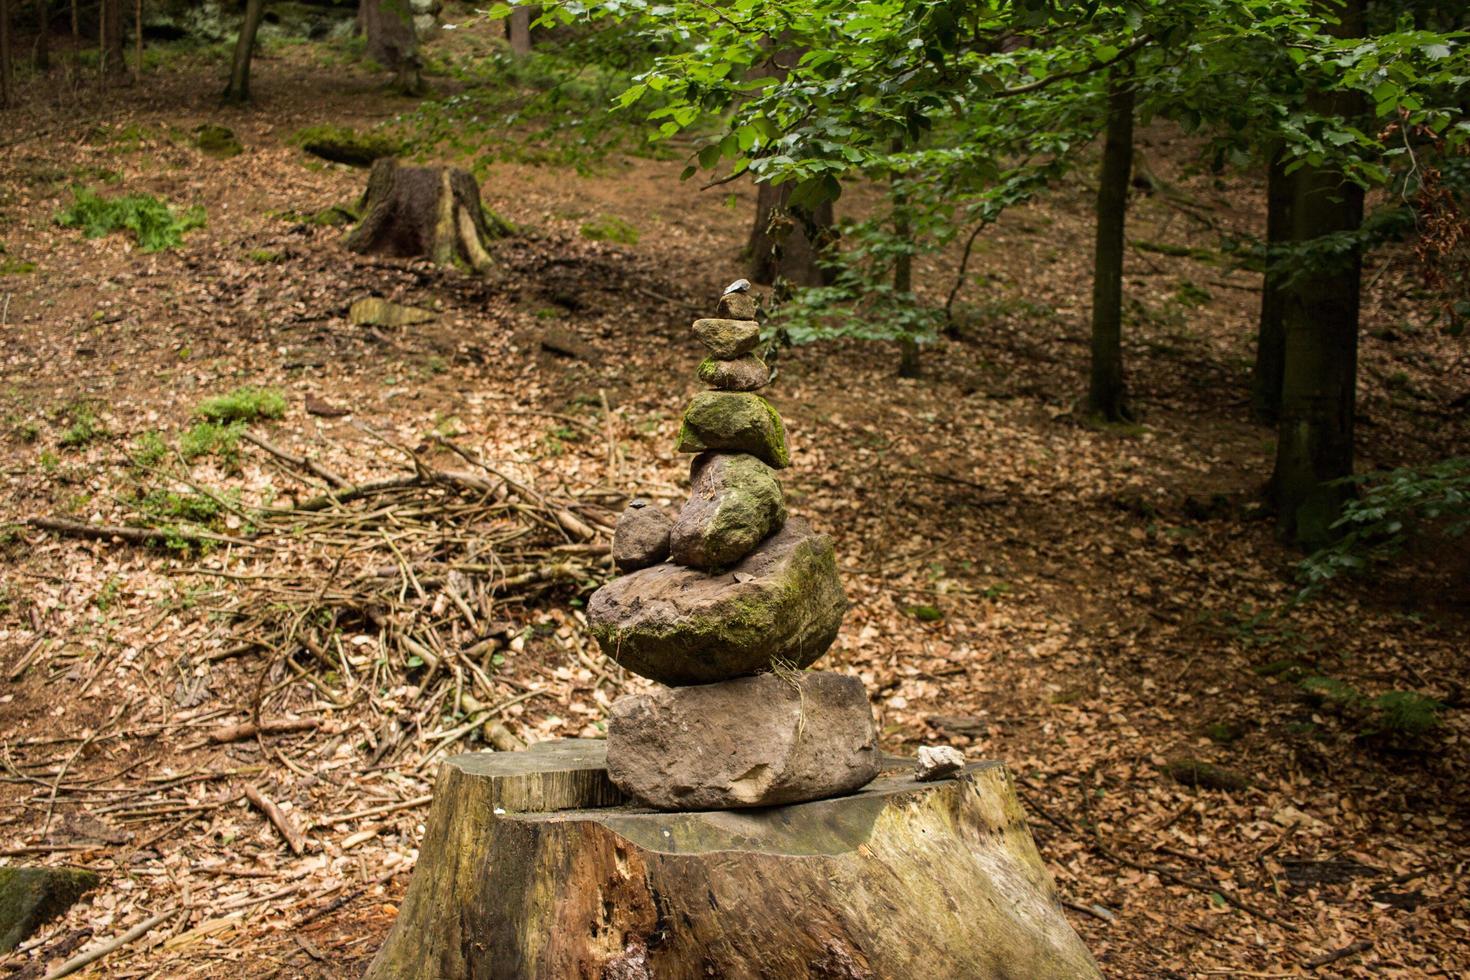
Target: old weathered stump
column 432, row 212
column 901, row 879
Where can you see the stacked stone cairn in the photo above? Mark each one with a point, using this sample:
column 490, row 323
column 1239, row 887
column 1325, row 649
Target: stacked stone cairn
column 726, row 605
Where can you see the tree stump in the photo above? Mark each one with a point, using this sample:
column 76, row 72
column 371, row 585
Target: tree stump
column 432, row 212
column 530, row 868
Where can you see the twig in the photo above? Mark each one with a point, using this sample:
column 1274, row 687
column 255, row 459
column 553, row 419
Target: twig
column 1361, row 946
column 301, row 462
column 278, row 819
column 89, row 956
column 273, row 726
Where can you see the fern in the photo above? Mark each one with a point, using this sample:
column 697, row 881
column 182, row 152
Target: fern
column 154, row 224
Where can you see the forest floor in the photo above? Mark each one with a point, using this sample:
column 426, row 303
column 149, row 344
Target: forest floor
column 1089, row 604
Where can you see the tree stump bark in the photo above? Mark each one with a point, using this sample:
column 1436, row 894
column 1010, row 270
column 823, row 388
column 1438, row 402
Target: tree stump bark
column 432, row 212
column 902, row 879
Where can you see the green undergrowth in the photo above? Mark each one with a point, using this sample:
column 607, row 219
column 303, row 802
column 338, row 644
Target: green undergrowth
column 609, row 228
column 244, row 404
column 155, row 225
column 1393, row 717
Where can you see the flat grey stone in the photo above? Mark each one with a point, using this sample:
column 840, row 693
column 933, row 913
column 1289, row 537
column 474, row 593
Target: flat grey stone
column 746, row 373
column 728, row 338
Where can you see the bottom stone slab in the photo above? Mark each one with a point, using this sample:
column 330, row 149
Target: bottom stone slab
column 901, row 879
column 756, row 741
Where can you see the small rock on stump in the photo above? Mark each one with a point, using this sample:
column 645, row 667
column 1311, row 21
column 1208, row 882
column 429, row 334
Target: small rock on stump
column 641, row 537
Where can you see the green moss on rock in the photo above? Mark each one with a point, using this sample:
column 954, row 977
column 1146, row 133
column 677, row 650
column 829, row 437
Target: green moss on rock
column 736, row 421
column 340, row 144
column 30, row 897
column 217, row 141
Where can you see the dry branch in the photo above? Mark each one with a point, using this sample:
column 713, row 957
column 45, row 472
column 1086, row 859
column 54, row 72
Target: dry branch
column 278, row 819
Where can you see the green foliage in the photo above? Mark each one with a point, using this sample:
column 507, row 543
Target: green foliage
column 84, row 427
column 217, row 141
column 245, row 404
column 150, row 449
column 1393, row 716
column 166, row 506
column 609, row 228
column 212, row 439
column 1391, row 509
column 154, row 224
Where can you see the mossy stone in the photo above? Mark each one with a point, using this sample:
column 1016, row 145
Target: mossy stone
column 30, row 897
column 735, row 502
column 216, row 141
column 728, row 338
column 781, row 605
column 736, row 421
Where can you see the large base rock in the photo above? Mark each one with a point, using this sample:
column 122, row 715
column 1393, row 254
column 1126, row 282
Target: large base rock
column 753, row 741
column 782, row 604
column 902, row 879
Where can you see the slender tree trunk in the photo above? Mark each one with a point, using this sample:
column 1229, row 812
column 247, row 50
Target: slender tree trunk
column 7, row 81
column 1314, row 442
column 43, row 36
column 238, row 89
column 519, row 28
column 110, row 46
column 76, row 39
column 1270, row 336
column 138, row 39
column 1106, row 394
column 909, row 365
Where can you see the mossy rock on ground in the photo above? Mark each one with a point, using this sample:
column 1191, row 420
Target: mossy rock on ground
column 31, row 897
column 216, row 141
column 339, row 144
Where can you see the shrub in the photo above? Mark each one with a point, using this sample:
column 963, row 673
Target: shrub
column 85, row 427
column 1390, row 509
column 244, row 405
column 154, row 224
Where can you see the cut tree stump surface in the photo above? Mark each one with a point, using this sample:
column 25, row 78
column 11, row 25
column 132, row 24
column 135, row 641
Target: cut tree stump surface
column 901, row 879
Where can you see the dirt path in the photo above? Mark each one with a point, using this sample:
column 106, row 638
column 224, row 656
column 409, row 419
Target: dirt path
column 1084, row 604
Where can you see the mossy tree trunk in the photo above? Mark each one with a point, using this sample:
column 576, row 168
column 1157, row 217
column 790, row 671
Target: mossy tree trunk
column 430, row 212
column 786, row 242
column 1314, row 437
column 238, row 89
column 1106, row 392
column 1270, row 336
column 393, row 43
column 900, row 879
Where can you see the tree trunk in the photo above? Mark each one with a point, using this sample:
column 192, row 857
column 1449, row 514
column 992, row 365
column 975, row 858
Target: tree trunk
column 43, row 36
column 393, row 43
column 519, row 30
column 1270, row 338
column 1314, row 439
column 1106, row 393
column 428, row 212
column 238, row 88
column 112, row 63
column 138, row 39
column 7, row 78
column 76, row 40
column 786, row 243
column 520, row 877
